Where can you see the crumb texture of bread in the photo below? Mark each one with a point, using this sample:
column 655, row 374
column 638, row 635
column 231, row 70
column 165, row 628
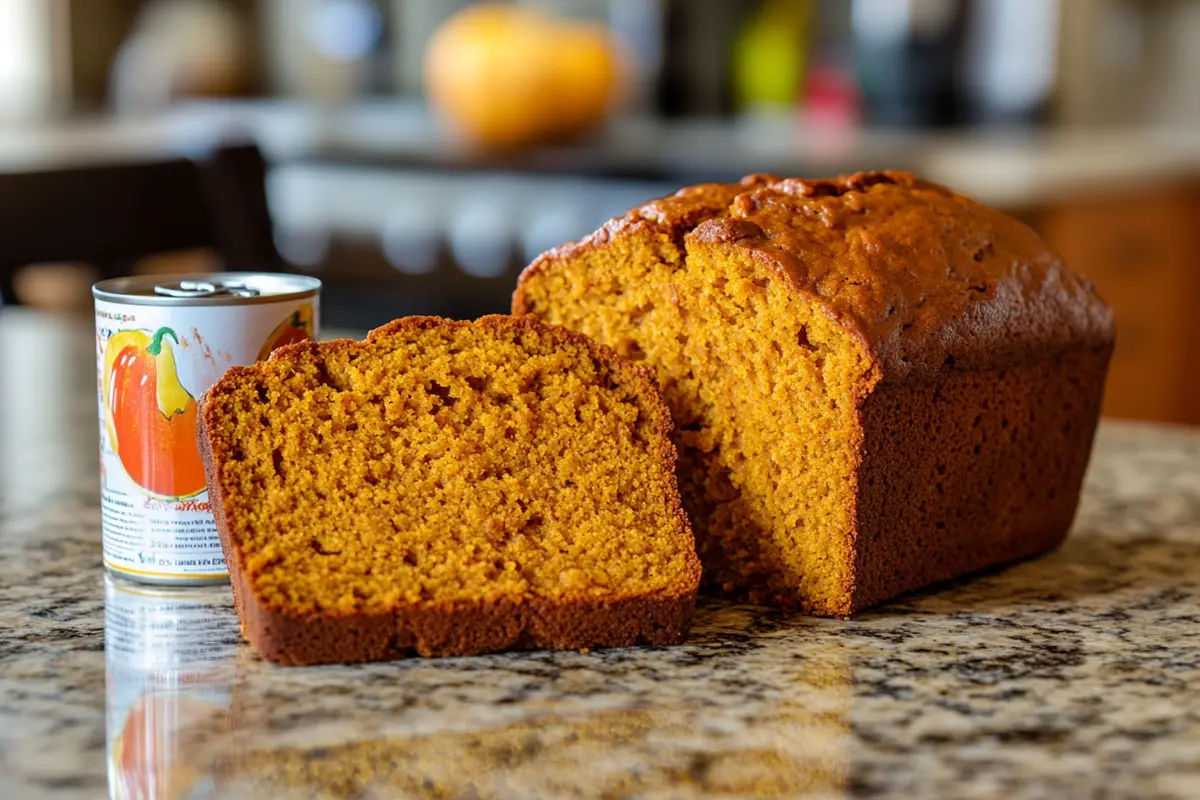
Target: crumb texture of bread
column 448, row 488
column 876, row 383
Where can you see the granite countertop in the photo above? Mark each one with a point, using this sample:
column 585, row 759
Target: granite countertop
column 1073, row 675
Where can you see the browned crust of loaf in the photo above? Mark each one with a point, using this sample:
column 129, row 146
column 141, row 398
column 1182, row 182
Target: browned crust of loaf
column 460, row 628
column 1003, row 297
column 930, row 509
column 942, row 330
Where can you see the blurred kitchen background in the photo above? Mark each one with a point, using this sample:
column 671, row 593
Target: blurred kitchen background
column 416, row 154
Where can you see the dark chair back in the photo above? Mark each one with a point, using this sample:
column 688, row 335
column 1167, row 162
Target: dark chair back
column 110, row 216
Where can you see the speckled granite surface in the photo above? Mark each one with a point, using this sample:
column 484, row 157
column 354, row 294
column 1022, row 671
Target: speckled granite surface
column 1074, row 675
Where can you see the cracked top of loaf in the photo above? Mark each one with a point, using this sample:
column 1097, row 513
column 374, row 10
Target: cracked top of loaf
column 925, row 277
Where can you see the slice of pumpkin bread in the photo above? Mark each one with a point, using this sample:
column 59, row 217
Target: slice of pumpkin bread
column 447, row 488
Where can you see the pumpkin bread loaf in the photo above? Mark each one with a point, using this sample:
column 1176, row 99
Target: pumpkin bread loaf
column 447, row 488
column 876, row 383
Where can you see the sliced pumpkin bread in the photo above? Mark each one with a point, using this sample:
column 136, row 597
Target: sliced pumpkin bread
column 447, row 488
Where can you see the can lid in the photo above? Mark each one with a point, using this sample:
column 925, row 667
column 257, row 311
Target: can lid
column 211, row 288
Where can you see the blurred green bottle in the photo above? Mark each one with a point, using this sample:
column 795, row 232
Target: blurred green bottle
column 770, row 55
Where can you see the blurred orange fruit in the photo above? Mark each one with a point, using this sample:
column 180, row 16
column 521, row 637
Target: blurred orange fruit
column 588, row 75
column 506, row 76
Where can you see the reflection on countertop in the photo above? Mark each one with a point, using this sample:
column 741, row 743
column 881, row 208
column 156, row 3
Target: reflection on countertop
column 1077, row 674
column 170, row 656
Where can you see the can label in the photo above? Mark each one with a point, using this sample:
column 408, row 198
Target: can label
column 154, row 363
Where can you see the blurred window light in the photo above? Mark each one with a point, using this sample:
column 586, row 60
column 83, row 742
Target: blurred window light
column 306, row 248
column 550, row 226
column 411, row 239
column 480, row 238
column 344, row 30
column 29, row 32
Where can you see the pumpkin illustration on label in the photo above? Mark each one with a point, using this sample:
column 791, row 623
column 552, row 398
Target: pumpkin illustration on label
column 151, row 418
column 296, row 328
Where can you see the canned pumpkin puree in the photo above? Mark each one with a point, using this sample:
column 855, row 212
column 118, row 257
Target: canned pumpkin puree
column 161, row 341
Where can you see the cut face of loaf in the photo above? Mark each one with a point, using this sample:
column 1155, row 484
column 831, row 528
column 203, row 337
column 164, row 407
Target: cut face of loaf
column 447, row 488
column 876, row 383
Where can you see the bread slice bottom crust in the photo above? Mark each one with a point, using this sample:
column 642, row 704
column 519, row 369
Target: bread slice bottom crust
column 451, row 629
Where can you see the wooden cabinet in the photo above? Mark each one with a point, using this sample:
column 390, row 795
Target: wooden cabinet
column 1140, row 251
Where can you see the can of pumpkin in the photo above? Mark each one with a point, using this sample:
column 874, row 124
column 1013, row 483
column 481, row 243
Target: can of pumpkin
column 161, row 341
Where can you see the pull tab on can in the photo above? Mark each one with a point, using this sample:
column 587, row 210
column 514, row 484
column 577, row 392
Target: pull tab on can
column 196, row 289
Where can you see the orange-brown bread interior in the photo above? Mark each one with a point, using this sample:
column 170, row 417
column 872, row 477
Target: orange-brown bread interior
column 443, row 464
column 773, row 311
